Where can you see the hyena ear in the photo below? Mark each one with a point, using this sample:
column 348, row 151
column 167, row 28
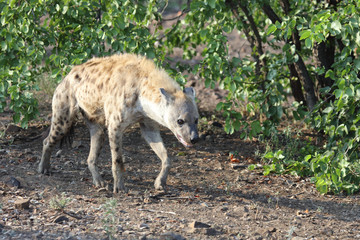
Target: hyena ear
column 167, row 96
column 189, row 91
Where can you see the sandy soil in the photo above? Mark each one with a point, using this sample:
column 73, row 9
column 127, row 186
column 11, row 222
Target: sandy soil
column 207, row 197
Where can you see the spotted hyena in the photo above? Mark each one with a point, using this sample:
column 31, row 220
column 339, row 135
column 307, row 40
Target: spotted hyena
column 113, row 93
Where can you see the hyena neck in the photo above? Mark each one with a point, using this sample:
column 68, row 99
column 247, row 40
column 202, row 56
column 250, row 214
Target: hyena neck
column 153, row 110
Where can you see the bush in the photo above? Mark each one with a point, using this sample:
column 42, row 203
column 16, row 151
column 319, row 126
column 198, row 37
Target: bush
column 308, row 51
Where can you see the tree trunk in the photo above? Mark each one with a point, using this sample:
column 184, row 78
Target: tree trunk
column 296, row 87
column 304, row 77
column 300, row 67
column 295, row 84
column 325, row 53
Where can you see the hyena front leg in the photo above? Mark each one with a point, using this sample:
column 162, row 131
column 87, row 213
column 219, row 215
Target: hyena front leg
column 150, row 132
column 96, row 141
column 117, row 167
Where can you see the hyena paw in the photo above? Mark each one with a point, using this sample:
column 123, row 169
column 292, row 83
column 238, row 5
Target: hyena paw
column 99, row 183
column 120, row 188
column 44, row 168
column 160, row 186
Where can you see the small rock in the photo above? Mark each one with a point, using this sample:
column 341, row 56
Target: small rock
column 210, row 232
column 224, row 209
column 22, row 204
column 218, row 166
column 327, row 232
column 144, row 237
column 238, row 165
column 4, row 151
column 149, row 199
column 144, row 226
column 58, row 153
column 76, row 144
column 171, row 236
column 13, row 182
column 28, row 151
column 38, row 235
column 272, row 230
column 196, row 224
column 128, row 232
column 217, row 124
column 3, row 172
column 204, row 204
column 61, row 219
column 209, row 138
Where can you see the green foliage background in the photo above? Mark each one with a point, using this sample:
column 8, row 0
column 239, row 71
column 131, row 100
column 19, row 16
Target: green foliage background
column 312, row 53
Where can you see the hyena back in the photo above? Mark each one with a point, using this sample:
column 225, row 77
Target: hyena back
column 113, row 93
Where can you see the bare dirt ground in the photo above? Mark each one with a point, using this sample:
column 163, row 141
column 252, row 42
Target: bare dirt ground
column 207, row 197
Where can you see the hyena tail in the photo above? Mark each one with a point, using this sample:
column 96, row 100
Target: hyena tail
column 68, row 139
column 64, row 110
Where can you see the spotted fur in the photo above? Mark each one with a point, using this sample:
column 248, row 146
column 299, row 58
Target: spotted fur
column 113, row 93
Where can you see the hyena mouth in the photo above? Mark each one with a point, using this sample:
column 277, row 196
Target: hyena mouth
column 186, row 144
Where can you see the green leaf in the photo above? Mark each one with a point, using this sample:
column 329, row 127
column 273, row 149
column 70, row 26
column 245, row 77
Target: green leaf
column 357, row 63
column 305, row 34
column 211, row 3
column 308, row 43
column 65, row 9
column 256, row 126
column 3, row 20
column 328, row 109
column 237, row 125
column 219, row 106
column 16, row 117
column 272, row 28
column 3, row 46
column 336, row 26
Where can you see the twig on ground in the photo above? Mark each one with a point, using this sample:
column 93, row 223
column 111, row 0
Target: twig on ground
column 155, row 211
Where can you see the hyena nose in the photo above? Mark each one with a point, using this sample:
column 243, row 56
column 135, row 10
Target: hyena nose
column 194, row 139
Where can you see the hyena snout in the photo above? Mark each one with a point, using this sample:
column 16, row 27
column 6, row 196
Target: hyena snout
column 194, row 137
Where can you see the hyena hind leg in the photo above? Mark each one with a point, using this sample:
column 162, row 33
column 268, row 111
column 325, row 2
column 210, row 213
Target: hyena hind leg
column 118, row 167
column 61, row 123
column 96, row 141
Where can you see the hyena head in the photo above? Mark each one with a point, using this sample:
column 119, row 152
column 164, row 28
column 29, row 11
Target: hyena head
column 181, row 115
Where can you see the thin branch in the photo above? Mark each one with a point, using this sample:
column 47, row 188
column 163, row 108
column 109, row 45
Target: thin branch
column 177, row 17
column 163, row 10
column 167, row 34
column 183, row 12
column 271, row 14
column 254, row 28
column 186, row 10
column 258, row 42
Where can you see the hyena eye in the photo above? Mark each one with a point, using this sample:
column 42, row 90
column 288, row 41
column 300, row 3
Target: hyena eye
column 180, row 122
